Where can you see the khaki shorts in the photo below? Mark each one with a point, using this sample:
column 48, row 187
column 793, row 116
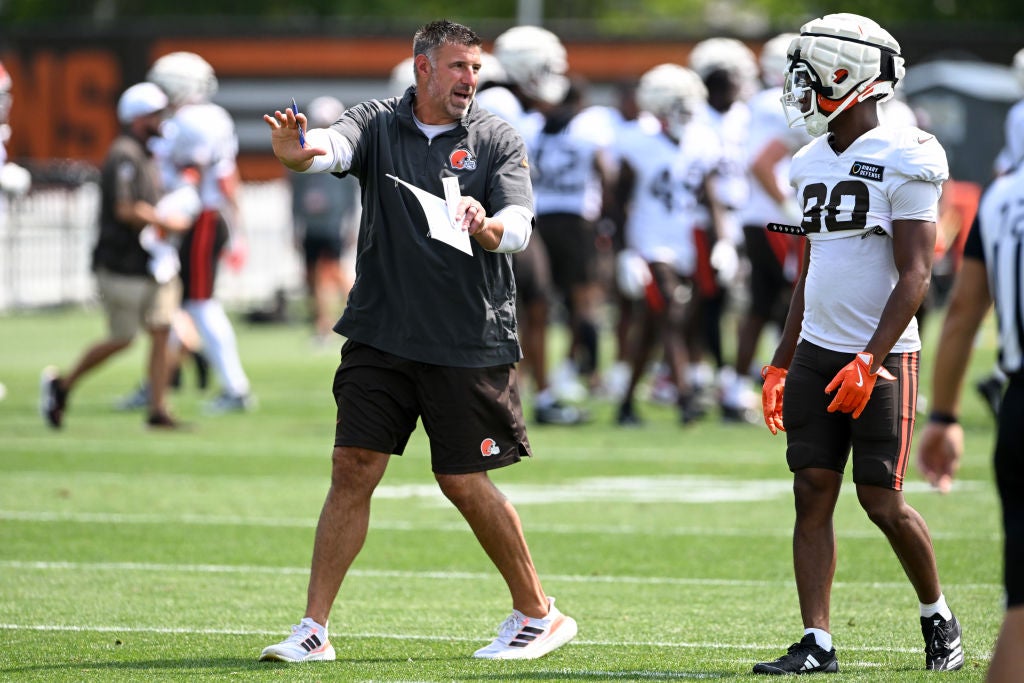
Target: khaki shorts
column 135, row 301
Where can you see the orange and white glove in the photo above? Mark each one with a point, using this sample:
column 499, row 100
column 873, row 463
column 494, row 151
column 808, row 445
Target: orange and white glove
column 855, row 383
column 771, row 396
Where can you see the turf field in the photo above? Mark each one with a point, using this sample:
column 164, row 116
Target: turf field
column 127, row 555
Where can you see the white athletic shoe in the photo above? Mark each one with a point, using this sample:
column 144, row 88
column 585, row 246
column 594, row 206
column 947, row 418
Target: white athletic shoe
column 307, row 643
column 521, row 637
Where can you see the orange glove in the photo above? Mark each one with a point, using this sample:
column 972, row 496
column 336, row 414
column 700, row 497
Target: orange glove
column 771, row 396
column 855, row 383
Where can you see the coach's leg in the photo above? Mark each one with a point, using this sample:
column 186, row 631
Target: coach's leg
column 496, row 525
column 341, row 530
column 908, row 536
column 814, row 542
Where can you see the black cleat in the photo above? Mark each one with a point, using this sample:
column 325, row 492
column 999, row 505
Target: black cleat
column 690, row 409
column 943, row 650
column 991, row 391
column 805, row 657
column 627, row 416
column 52, row 398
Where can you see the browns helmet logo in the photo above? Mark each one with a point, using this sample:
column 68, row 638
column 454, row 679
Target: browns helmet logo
column 489, row 447
column 462, row 160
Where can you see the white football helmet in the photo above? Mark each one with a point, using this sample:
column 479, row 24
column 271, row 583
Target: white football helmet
column 774, row 59
column 324, row 111
column 672, row 93
column 1018, row 67
column 535, row 60
column 186, row 77
column 837, row 61
column 726, row 54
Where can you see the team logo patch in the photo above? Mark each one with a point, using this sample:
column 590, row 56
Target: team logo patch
column 489, row 447
column 462, row 160
column 861, row 169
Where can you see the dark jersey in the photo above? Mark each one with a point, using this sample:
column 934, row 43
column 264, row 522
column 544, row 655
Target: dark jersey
column 129, row 174
column 416, row 297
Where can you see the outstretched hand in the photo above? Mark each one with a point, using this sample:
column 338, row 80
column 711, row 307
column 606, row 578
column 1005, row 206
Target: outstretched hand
column 284, row 138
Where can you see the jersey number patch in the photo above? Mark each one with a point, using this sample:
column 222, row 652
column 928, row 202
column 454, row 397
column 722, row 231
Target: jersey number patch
column 844, row 208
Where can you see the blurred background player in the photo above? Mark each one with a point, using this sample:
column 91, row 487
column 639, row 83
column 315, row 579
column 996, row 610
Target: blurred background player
column 132, row 293
column 326, row 217
column 201, row 134
column 534, row 62
column 569, row 170
column 774, row 257
column 729, row 71
column 669, row 170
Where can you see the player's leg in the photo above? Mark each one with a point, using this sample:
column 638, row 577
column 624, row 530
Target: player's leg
column 881, row 446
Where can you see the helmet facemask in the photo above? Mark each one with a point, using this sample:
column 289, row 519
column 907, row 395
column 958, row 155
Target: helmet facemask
column 831, row 70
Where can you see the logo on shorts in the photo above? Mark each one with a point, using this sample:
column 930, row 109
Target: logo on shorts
column 489, row 447
column 462, row 160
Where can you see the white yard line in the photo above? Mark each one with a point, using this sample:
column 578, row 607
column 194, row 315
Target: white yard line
column 445, row 576
column 96, row 628
column 43, row 516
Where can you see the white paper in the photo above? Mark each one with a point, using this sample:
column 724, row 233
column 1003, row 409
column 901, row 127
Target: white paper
column 452, row 195
column 439, row 221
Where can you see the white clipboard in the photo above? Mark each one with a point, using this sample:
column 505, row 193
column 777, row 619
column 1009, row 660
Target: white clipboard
column 440, row 214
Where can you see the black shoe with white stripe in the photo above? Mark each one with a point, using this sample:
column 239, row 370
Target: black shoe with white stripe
column 943, row 650
column 805, row 657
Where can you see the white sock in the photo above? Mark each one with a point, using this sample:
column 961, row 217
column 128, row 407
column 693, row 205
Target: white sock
column 822, row 638
column 544, row 398
column 938, row 607
column 220, row 344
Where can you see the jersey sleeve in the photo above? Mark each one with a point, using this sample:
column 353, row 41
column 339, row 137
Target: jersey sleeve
column 923, row 158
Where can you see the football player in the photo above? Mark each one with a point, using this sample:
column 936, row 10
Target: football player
column 847, row 362
column 671, row 167
column 535, row 63
column 201, row 135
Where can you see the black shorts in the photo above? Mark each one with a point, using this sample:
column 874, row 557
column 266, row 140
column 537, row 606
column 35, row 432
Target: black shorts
column 473, row 416
column 571, row 243
column 200, row 253
column 1009, row 466
column 770, row 288
column 880, row 437
column 532, row 271
column 321, row 247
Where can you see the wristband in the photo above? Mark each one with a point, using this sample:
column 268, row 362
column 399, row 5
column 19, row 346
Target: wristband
column 939, row 417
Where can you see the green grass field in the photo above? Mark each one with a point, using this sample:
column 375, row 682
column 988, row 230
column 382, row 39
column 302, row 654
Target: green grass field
column 129, row 555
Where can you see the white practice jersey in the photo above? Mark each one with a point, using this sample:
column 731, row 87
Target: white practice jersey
column 202, row 136
column 850, row 201
column 1012, row 154
column 668, row 177
column 563, row 166
column 1000, row 217
column 503, row 103
column 767, row 124
column 731, row 184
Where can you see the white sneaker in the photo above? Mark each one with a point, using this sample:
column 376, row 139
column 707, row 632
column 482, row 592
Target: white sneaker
column 307, row 643
column 522, row 637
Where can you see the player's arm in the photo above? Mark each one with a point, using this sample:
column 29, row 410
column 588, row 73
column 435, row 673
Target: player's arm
column 763, row 171
column 913, row 246
column 942, row 441
column 794, row 319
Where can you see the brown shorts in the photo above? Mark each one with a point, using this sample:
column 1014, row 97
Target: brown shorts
column 532, row 271
column 571, row 242
column 473, row 416
column 880, row 437
column 132, row 302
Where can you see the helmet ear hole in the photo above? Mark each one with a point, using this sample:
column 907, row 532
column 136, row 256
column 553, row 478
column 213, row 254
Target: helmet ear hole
column 840, row 75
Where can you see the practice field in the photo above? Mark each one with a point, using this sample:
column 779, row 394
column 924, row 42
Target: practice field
column 128, row 555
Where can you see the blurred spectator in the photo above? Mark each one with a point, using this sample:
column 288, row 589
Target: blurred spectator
column 138, row 287
column 325, row 210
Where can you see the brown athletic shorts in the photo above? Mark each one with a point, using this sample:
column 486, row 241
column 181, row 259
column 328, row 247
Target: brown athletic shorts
column 473, row 416
column 880, row 437
column 571, row 243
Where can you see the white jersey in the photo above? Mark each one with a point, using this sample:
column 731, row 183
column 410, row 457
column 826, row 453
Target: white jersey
column 503, row 103
column 563, row 166
column 731, row 184
column 850, row 201
column 668, row 179
column 768, row 124
column 202, row 136
column 1000, row 216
